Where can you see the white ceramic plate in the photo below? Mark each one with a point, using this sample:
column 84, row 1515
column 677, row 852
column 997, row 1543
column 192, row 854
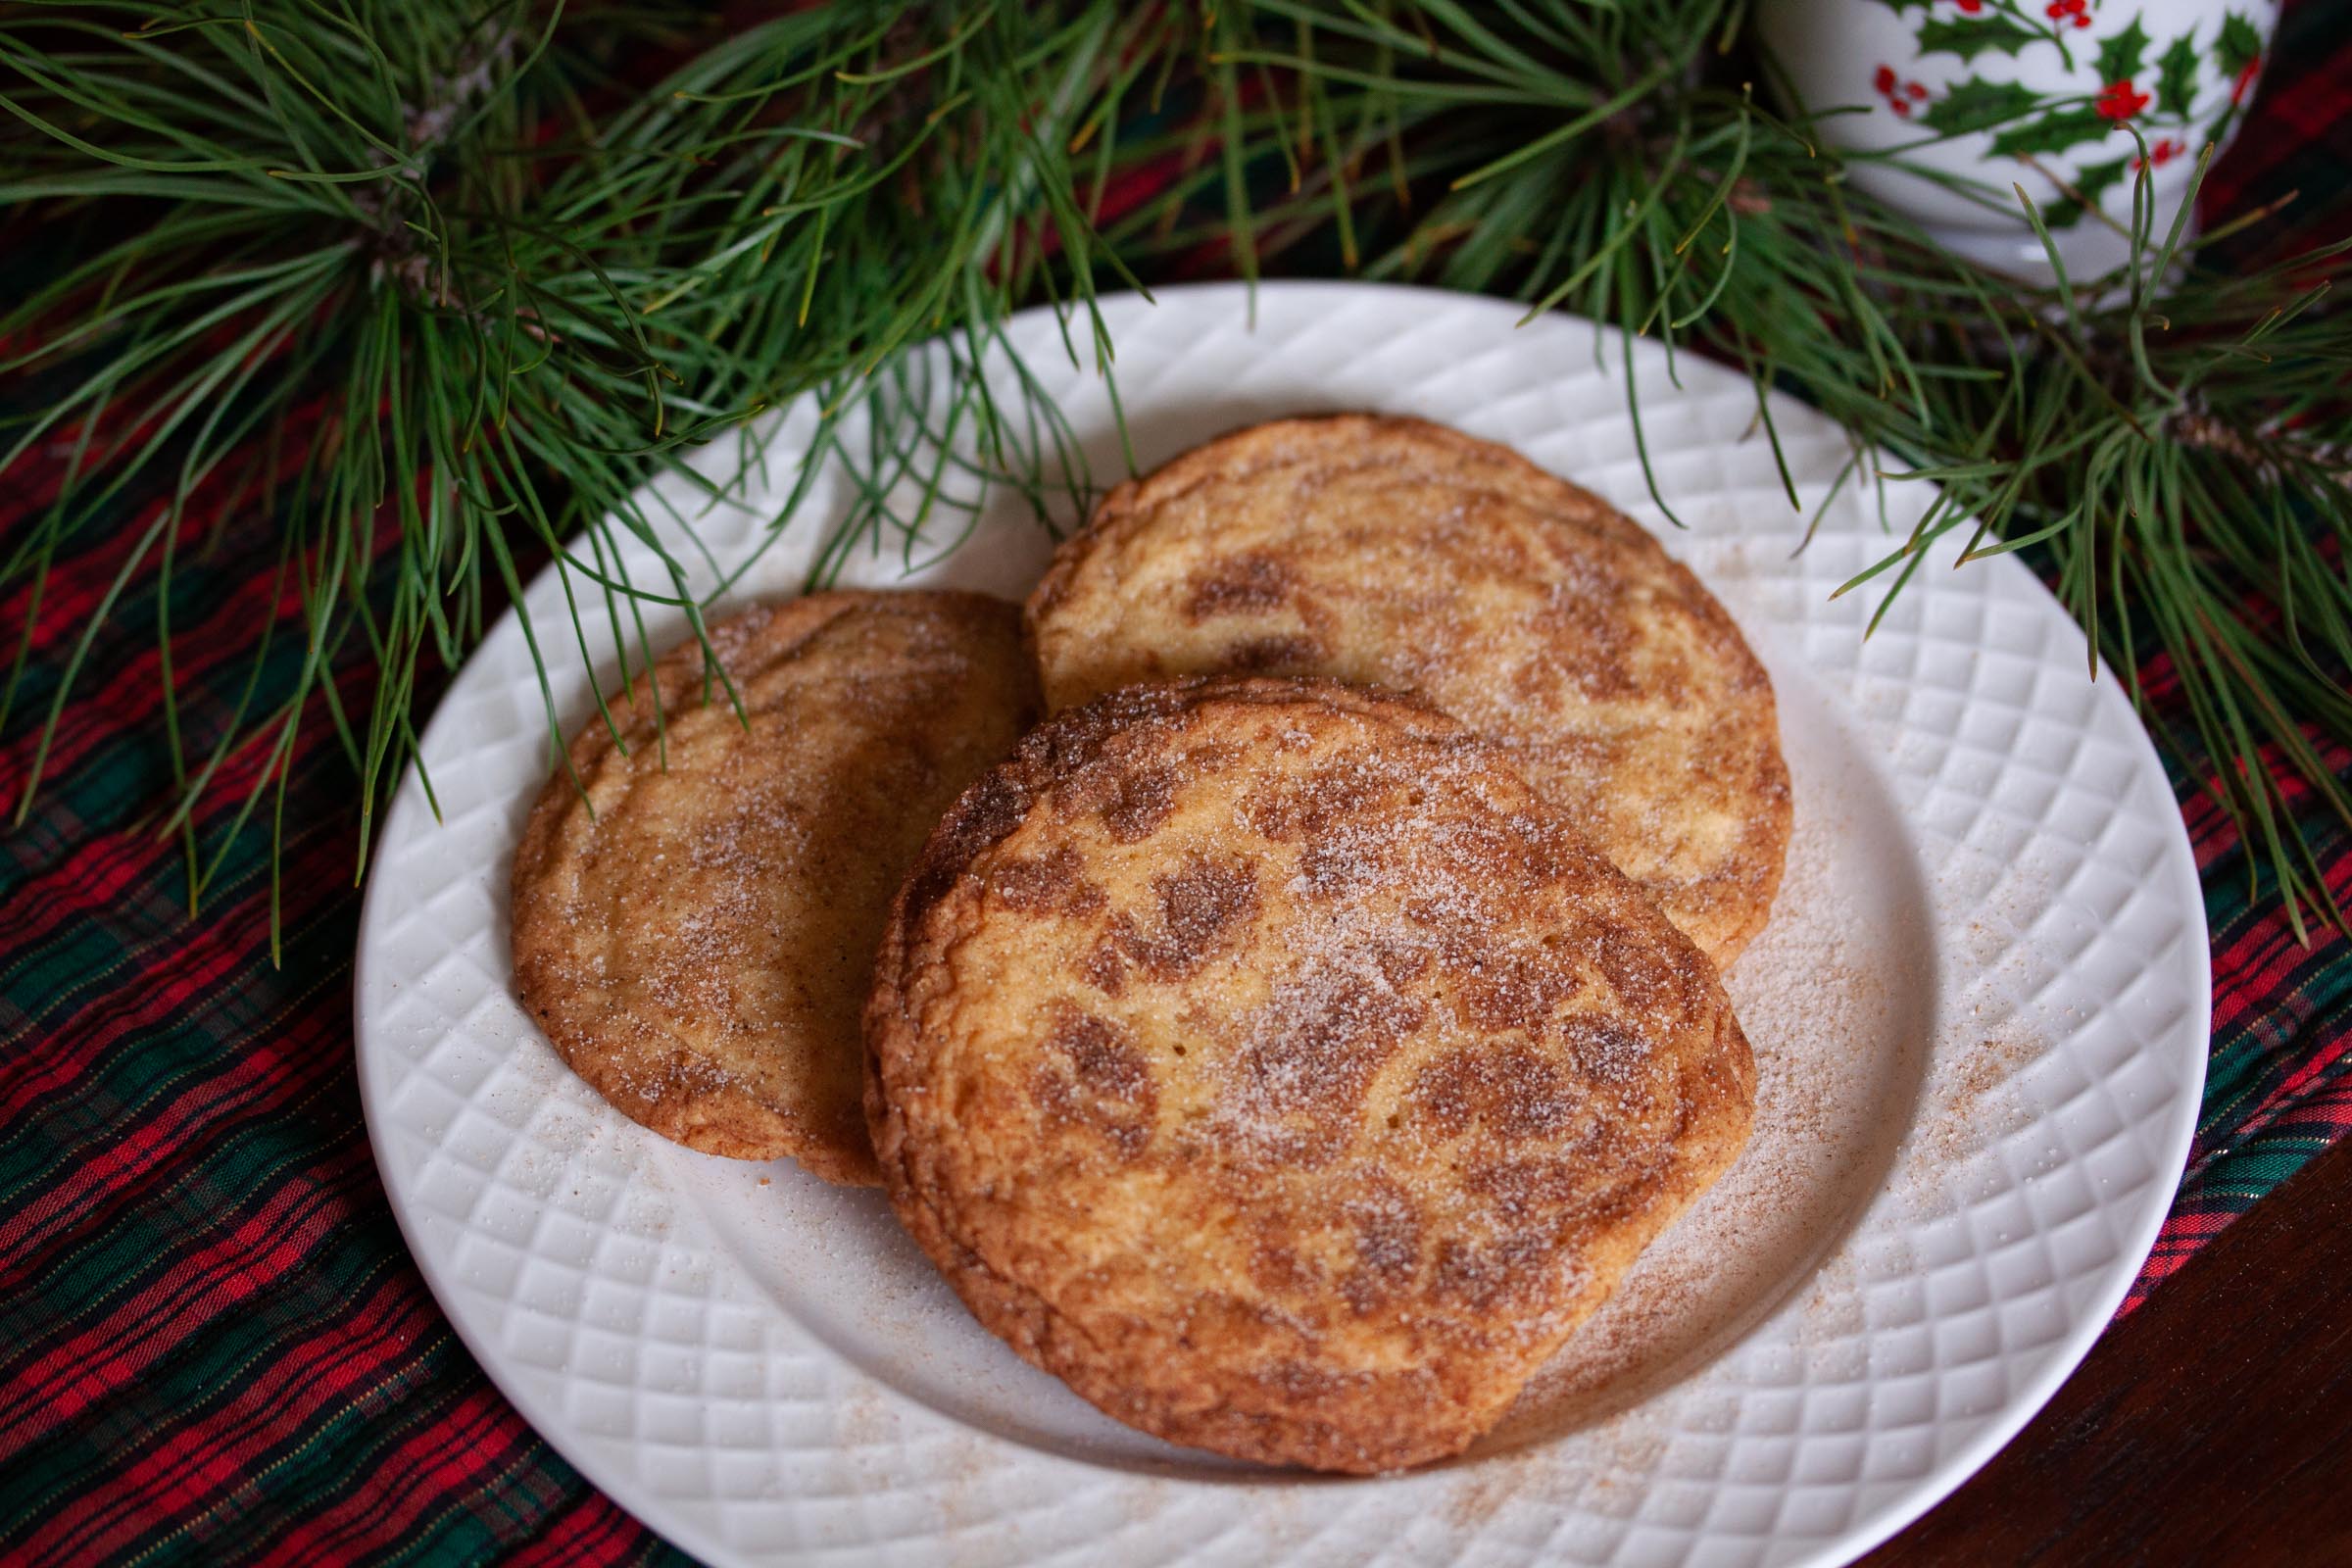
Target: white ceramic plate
column 1979, row 1015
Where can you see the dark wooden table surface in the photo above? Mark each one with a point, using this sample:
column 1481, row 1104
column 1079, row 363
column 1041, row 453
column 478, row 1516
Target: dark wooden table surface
column 2212, row 1427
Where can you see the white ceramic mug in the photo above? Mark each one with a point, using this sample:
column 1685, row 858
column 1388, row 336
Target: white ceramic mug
column 2066, row 81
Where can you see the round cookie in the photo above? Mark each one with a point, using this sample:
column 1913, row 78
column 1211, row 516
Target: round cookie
column 1271, row 1062
column 697, row 946
column 1396, row 553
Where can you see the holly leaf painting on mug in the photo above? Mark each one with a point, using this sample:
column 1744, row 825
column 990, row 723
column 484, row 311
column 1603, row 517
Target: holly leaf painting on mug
column 1968, row 39
column 2176, row 75
column 2054, row 132
column 2240, row 44
column 2122, row 54
column 1979, row 105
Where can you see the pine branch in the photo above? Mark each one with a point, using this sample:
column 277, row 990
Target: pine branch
column 444, row 287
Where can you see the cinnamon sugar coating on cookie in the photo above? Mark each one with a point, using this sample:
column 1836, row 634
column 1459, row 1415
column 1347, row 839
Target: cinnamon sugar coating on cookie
column 696, row 936
column 1270, row 1060
column 1396, row 553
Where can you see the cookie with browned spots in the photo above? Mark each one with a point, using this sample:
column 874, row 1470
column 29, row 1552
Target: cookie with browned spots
column 1270, row 1060
column 695, row 934
column 1396, row 553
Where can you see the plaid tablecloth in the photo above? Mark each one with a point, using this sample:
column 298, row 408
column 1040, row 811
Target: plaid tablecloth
column 213, row 1345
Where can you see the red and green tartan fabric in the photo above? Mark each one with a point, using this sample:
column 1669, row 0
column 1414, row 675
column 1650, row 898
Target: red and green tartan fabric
column 212, row 1344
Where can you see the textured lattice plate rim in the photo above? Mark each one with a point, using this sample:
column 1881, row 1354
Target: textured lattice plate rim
column 579, row 1261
